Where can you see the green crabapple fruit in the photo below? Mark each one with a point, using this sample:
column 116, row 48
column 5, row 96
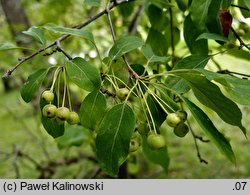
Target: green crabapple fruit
column 156, row 141
column 48, row 96
column 62, row 113
column 73, row 118
column 182, row 115
column 49, row 111
column 134, row 145
column 173, row 119
column 122, row 93
column 181, row 130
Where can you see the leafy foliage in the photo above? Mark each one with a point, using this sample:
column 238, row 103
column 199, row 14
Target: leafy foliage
column 145, row 75
column 113, row 137
column 123, row 45
column 73, row 136
column 92, row 109
column 36, row 33
column 156, row 156
column 83, row 74
column 32, row 84
column 209, row 128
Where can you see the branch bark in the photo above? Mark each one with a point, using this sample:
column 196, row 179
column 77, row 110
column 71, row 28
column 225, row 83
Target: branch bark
column 62, row 38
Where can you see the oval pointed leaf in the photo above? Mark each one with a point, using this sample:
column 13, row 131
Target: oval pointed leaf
column 83, row 74
column 92, row 109
column 213, row 36
column 210, row 95
column 199, row 12
column 190, row 62
column 193, row 62
column 191, row 32
column 113, row 137
column 151, row 57
column 158, row 114
column 206, row 124
column 158, row 42
column 70, row 31
column 37, row 34
column 8, row 46
column 32, row 84
column 159, row 157
column 235, row 88
column 74, row 135
column 124, row 45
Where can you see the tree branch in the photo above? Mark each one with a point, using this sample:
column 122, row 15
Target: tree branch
column 242, row 43
column 14, row 162
column 88, row 21
column 133, row 27
column 60, row 49
column 131, row 71
column 238, row 6
column 196, row 144
column 232, row 72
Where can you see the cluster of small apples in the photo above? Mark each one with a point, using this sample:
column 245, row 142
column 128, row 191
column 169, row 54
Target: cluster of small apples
column 60, row 114
column 177, row 120
column 122, row 93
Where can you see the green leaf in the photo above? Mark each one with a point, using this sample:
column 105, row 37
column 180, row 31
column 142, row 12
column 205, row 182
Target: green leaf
column 190, row 62
column 210, row 95
column 83, row 74
column 235, row 88
column 213, row 24
column 191, row 32
column 70, row 31
column 113, row 137
column 247, row 2
column 161, row 3
column 158, row 114
column 182, row 4
column 225, row 4
column 212, row 36
column 126, row 9
column 92, row 109
column 193, row 62
column 93, row 3
column 74, row 135
column 159, row 156
column 36, row 33
column 164, row 94
column 120, row 70
column 32, row 84
column 52, row 127
column 151, row 57
column 157, row 18
column 8, row 46
column 124, row 45
column 158, row 42
column 208, row 127
column 177, row 84
column 199, row 12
